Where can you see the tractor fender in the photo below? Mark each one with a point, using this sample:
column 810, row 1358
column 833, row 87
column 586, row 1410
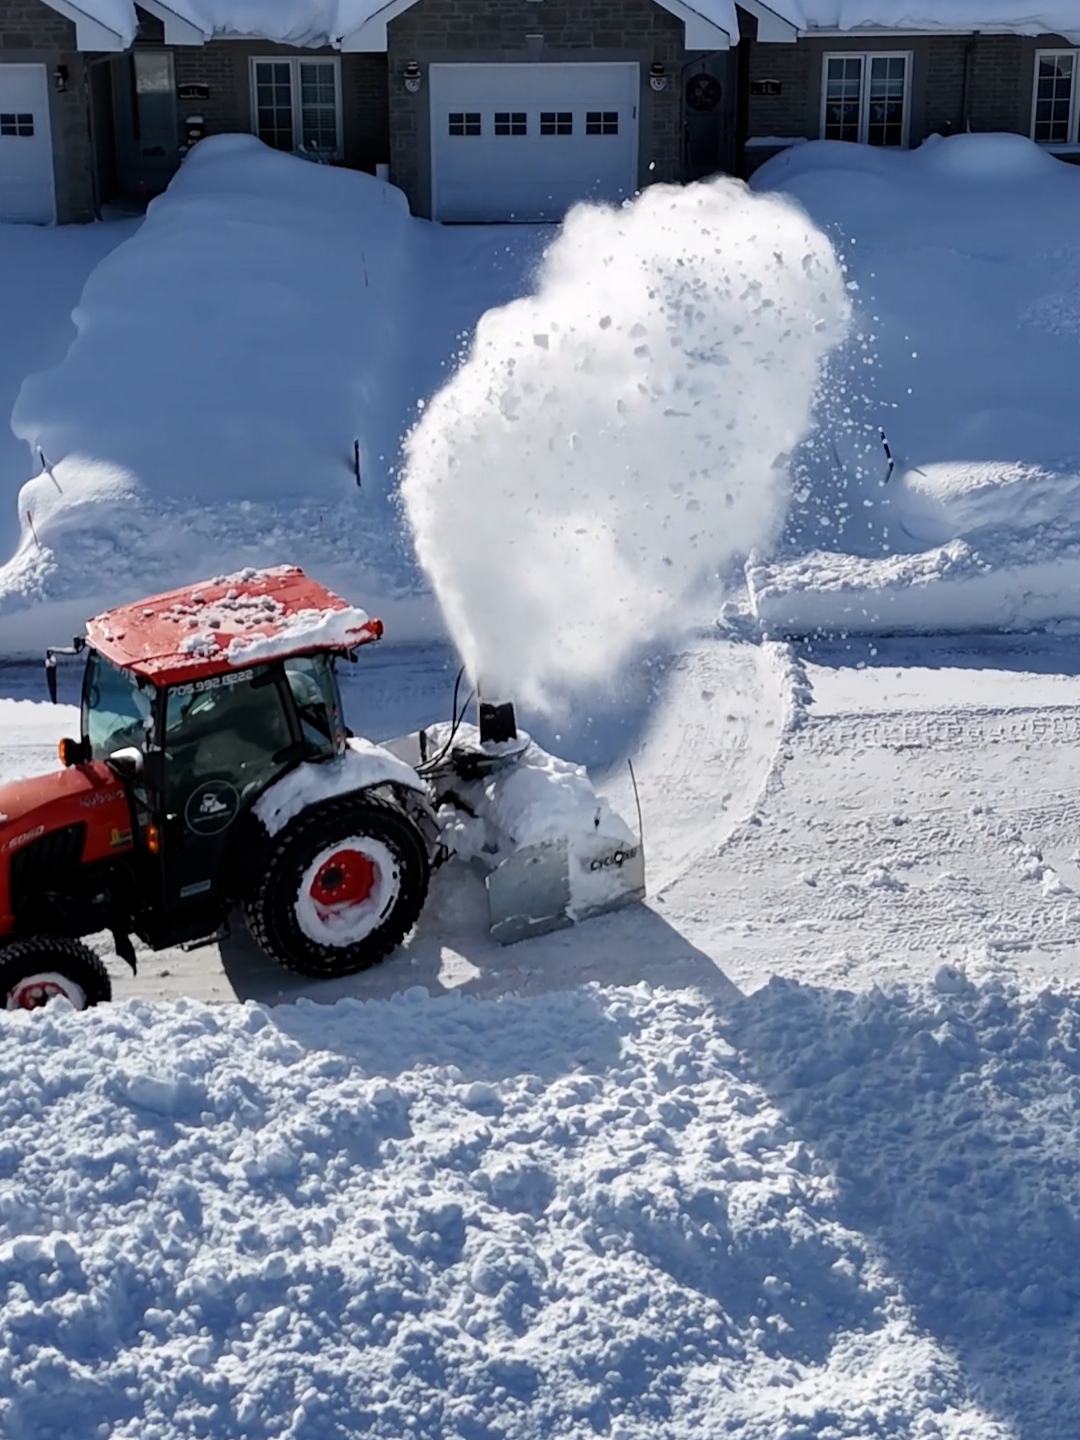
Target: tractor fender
column 363, row 766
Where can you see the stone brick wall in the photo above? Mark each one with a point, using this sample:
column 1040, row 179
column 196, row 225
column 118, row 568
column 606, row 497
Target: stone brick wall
column 224, row 66
column 493, row 31
column 33, row 34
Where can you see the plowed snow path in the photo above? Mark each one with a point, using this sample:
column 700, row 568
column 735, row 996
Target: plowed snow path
column 946, row 830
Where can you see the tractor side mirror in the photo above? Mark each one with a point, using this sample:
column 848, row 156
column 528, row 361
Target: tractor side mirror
column 128, row 762
column 71, row 752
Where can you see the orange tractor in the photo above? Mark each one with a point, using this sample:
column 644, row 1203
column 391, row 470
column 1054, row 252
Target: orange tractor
column 214, row 769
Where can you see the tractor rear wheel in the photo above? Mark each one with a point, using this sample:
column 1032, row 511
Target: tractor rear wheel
column 342, row 888
column 48, row 967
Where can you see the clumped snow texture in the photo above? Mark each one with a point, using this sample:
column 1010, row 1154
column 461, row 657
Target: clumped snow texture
column 1016, row 17
column 623, row 433
column 965, row 268
column 363, row 765
column 617, row 1213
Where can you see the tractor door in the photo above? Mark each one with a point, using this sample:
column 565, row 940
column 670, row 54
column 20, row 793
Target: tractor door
column 225, row 739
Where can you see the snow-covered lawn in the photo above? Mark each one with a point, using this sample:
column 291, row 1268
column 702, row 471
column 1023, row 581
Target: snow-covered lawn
column 966, row 276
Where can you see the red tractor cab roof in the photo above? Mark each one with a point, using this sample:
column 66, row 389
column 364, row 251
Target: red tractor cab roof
column 228, row 623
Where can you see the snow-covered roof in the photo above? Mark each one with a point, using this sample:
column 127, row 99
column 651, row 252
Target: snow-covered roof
column 1014, row 17
column 344, row 24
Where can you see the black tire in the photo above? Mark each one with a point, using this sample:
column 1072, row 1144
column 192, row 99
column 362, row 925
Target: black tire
column 272, row 910
column 47, row 955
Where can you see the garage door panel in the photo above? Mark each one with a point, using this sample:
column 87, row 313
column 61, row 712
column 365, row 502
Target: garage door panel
column 26, row 160
column 524, row 142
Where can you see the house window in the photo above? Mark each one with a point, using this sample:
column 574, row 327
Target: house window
column 601, row 122
column 16, row 124
column 297, row 105
column 556, row 122
column 865, row 98
column 464, row 122
column 1055, row 105
column 511, row 122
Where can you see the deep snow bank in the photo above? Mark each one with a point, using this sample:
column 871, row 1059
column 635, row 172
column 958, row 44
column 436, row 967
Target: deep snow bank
column 967, row 267
column 579, row 1215
column 623, row 433
column 268, row 313
column 227, row 357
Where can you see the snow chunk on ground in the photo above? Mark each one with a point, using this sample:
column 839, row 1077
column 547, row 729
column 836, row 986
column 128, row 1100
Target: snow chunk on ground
column 617, row 1213
column 363, row 765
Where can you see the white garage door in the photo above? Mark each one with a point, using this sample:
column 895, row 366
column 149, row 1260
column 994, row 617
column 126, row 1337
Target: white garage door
column 26, row 160
column 523, row 142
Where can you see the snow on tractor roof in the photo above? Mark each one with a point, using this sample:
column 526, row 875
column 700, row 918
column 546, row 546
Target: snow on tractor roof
column 227, row 623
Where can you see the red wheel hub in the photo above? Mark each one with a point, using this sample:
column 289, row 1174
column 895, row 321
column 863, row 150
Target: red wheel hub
column 33, row 994
column 347, row 878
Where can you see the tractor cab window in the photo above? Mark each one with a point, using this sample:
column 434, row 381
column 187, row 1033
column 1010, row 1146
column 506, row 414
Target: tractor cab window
column 116, row 710
column 318, row 708
column 231, row 728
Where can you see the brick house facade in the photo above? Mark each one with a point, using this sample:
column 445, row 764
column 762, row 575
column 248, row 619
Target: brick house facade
column 120, row 110
column 31, row 33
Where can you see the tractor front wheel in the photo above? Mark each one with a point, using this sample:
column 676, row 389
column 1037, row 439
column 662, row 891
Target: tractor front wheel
column 342, row 888
column 49, row 967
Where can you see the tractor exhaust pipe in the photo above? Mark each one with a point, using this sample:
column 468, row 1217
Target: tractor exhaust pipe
column 498, row 723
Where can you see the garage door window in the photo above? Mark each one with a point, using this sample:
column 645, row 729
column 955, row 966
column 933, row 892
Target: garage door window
column 297, row 105
column 556, row 122
column 464, row 122
column 601, row 122
column 511, row 122
column 16, row 124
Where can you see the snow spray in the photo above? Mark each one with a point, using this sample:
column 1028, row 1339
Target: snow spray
column 621, row 435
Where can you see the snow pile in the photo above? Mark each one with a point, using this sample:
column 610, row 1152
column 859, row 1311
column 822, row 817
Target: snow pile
column 623, row 433
column 213, row 423
column 964, row 258
column 532, row 798
column 589, row 1213
column 1043, row 17
column 363, row 764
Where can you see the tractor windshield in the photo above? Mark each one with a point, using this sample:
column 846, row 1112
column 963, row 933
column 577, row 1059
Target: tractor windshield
column 116, row 710
column 230, row 727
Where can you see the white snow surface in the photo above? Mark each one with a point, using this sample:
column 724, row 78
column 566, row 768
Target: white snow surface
column 1010, row 17
column 612, row 1212
column 363, row 765
column 963, row 266
column 617, row 438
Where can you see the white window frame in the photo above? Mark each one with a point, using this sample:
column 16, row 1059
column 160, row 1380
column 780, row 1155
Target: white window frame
column 1074, row 102
column 294, row 62
column 866, row 56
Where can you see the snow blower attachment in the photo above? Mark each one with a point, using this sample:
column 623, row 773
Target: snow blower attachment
column 552, row 852
column 214, row 771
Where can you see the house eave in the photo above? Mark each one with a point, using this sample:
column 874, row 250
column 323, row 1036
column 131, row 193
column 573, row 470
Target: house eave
column 90, row 34
column 178, row 31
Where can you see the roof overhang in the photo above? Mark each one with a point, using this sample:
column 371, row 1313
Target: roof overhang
column 178, row 31
column 701, row 32
column 772, row 27
column 90, row 34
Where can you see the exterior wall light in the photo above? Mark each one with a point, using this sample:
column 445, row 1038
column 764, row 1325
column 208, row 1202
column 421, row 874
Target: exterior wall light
column 657, row 75
column 411, row 76
column 60, row 79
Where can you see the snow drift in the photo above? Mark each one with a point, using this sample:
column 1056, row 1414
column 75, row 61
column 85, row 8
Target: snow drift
column 966, row 274
column 622, row 433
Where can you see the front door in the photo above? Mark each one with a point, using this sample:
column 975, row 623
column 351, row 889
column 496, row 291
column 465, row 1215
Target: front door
column 709, row 117
column 145, row 120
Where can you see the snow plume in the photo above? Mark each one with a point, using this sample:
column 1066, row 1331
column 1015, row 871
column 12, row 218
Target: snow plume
column 623, row 433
